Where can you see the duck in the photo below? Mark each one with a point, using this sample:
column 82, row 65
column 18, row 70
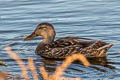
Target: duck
column 66, row 46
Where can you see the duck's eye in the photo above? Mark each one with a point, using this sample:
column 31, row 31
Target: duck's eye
column 39, row 28
column 42, row 28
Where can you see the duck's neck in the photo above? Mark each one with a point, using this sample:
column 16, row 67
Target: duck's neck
column 48, row 39
column 45, row 41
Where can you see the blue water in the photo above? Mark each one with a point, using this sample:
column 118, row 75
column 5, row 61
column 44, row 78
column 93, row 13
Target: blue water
column 96, row 19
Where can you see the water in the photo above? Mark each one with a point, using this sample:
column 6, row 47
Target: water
column 96, row 19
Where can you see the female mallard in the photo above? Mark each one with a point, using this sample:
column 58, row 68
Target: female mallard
column 66, row 46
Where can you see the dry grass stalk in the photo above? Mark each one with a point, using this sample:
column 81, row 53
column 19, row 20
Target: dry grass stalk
column 69, row 60
column 44, row 73
column 3, row 75
column 64, row 78
column 53, row 77
column 66, row 63
column 59, row 69
column 32, row 68
column 19, row 61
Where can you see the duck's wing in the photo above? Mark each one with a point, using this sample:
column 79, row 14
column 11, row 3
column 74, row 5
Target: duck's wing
column 66, row 46
column 60, row 52
column 85, row 42
column 63, row 47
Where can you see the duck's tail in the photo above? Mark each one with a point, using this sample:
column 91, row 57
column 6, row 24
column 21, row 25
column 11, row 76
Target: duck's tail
column 105, row 48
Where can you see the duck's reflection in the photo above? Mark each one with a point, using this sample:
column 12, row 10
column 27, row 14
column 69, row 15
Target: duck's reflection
column 99, row 64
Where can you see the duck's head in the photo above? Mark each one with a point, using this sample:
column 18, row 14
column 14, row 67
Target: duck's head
column 46, row 30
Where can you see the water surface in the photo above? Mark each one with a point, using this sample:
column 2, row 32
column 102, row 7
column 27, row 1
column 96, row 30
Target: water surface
column 96, row 19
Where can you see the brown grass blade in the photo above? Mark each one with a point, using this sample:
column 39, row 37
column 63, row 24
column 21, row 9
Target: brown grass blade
column 32, row 68
column 60, row 69
column 19, row 61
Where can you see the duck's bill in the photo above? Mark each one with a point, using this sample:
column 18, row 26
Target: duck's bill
column 30, row 36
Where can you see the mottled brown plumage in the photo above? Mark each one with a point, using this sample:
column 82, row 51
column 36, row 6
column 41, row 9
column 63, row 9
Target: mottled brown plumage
column 66, row 46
